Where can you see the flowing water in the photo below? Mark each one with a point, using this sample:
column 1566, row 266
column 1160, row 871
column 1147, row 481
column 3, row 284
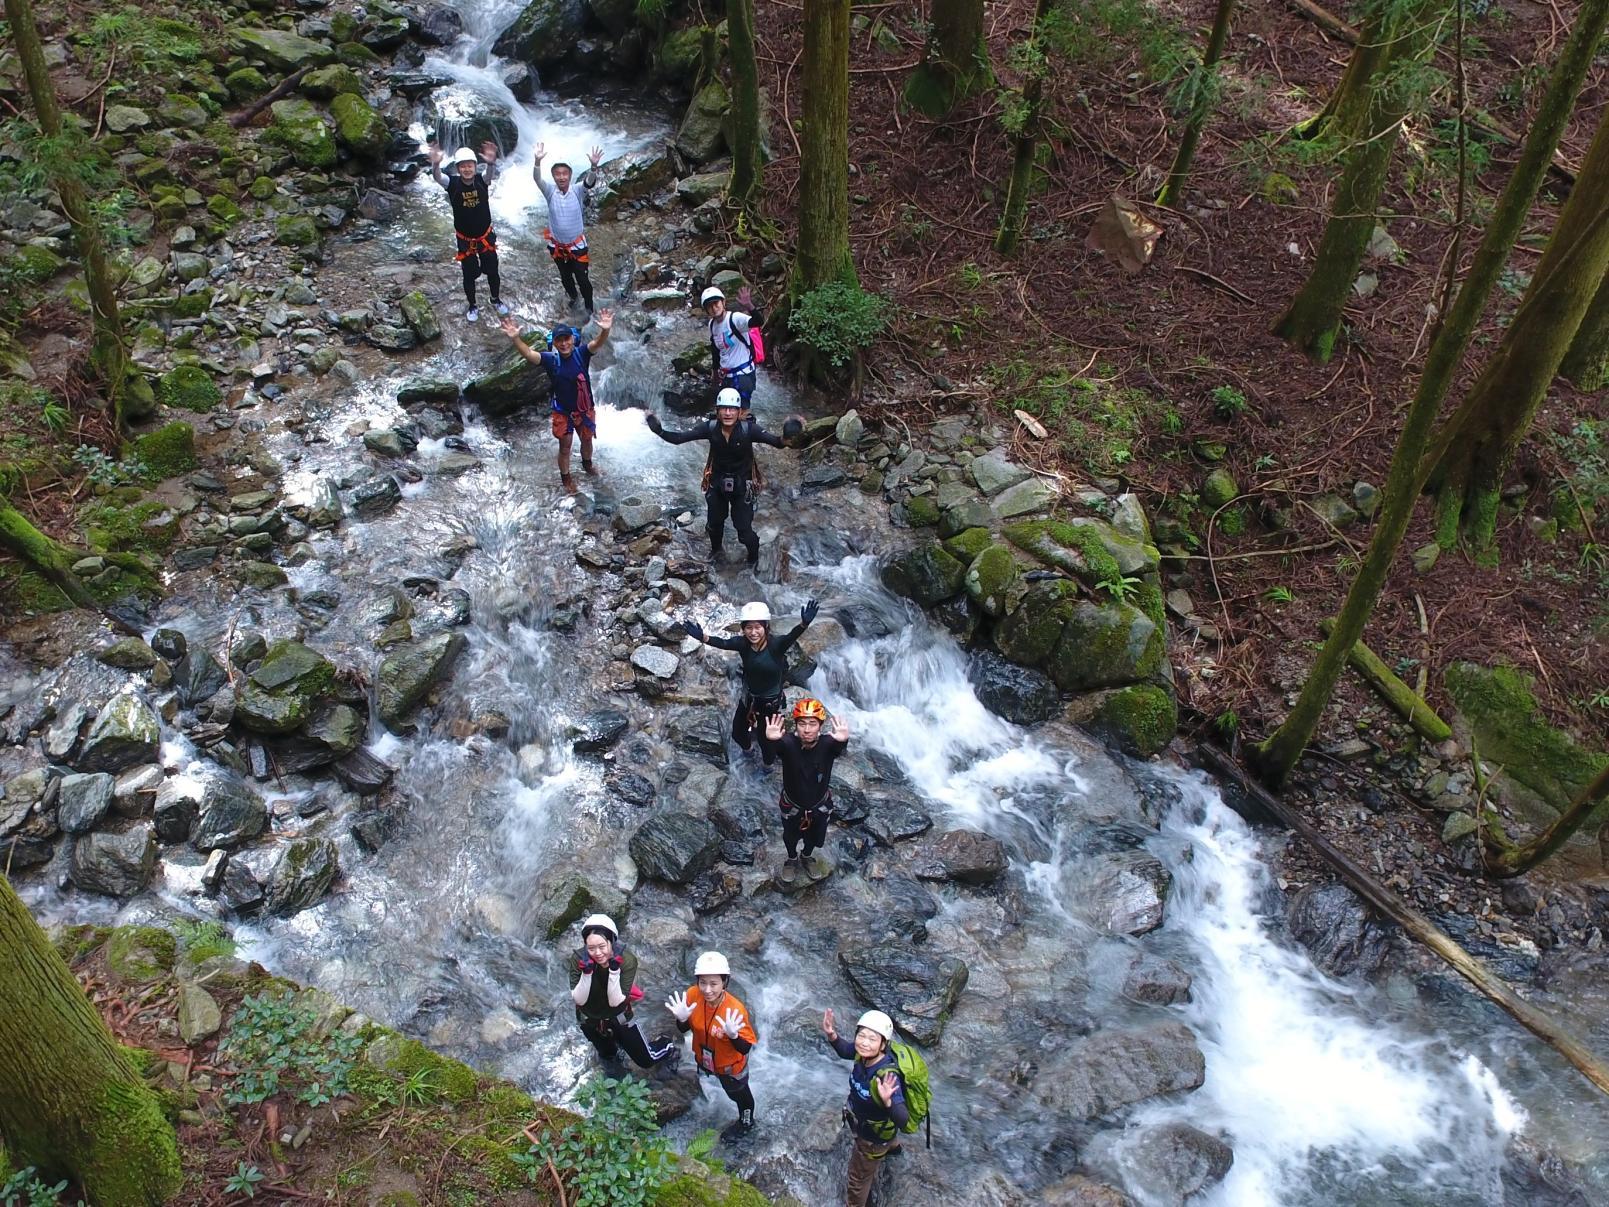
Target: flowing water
column 1328, row 1093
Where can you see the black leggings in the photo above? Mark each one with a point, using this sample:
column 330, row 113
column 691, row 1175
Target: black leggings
column 485, row 265
column 609, row 1035
column 814, row 835
column 575, row 276
column 737, row 1089
column 743, row 733
column 740, row 506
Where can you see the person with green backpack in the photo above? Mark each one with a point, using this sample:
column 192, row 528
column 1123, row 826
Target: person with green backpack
column 888, row 1094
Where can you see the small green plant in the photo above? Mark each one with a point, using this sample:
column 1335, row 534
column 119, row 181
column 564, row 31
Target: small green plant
column 971, row 275
column 420, row 1087
column 274, row 1043
column 1265, row 462
column 1279, row 595
column 25, row 1189
column 1227, row 723
column 55, row 415
column 839, row 320
column 203, row 939
column 1228, row 402
column 244, row 1180
column 102, row 470
column 1599, row 701
column 1121, row 588
column 615, row 1156
column 1172, row 423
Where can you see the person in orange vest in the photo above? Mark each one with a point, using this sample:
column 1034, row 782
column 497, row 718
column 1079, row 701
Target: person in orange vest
column 722, row 1034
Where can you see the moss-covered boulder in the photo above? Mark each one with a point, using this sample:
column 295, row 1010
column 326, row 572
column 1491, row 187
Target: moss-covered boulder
column 678, row 57
column 1219, row 489
column 702, row 134
column 327, row 83
column 118, row 524
column 408, row 673
column 188, row 387
column 512, row 383
column 246, row 84
column 968, row 544
column 1105, row 645
column 167, row 452
column 1140, row 719
column 295, row 230
column 299, row 127
column 921, row 511
column 926, row 574
column 1089, row 550
column 361, row 130
column 279, row 696
column 544, row 32
column 991, row 578
column 223, row 209
column 281, row 49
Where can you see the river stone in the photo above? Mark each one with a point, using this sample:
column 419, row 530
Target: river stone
column 565, row 897
column 991, row 579
column 634, row 513
column 926, row 574
column 239, row 889
column 1124, row 892
column 300, row 128
column 129, row 654
column 1155, row 981
column 890, row 820
column 62, row 735
column 599, row 730
column 199, row 1016
column 334, row 732
column 428, row 389
column 1335, row 926
column 408, row 673
column 170, row 644
column 513, row 382
column 439, row 25
column 121, row 119
column 114, row 865
column 389, row 442
column 655, row 660
column 281, row 48
column 630, row 787
column 82, row 801
column 918, row 989
column 699, row 731
column 178, row 801
column 22, row 793
column 1025, row 498
column 363, row 773
column 197, row 676
column 965, row 856
column 371, row 829
column 702, row 136
column 1175, row 1162
column 230, row 813
column 421, row 316
column 126, row 732
column 363, row 132
column 1114, row 1069
column 1105, row 645
column 134, row 791
column 376, row 497
column 675, row 847
column 301, row 876
column 993, row 473
column 850, row 428
column 1020, row 694
column 543, row 34
column 278, row 697
column 1079, row 1191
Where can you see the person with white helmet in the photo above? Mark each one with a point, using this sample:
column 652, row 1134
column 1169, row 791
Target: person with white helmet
column 807, row 756
column 603, row 988
column 733, row 335
column 566, row 234
column 875, row 1110
column 468, row 194
column 723, row 1035
column 765, row 666
column 731, row 474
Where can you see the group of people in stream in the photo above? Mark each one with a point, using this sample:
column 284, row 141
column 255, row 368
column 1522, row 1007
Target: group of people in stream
column 731, row 474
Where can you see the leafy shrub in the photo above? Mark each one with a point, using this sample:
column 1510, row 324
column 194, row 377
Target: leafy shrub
column 274, row 1043
column 839, row 320
column 24, row 1189
column 615, row 1157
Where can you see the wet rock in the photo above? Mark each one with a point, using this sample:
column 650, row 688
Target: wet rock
column 903, row 908
column 675, row 847
column 1334, row 924
column 890, row 820
column 850, row 428
column 377, row 205
column 1155, row 981
column 24, row 793
column 520, row 80
column 239, row 889
column 673, row 1094
column 114, row 865
column 198, row 676
column 701, row 136
column 376, row 497
column 1125, row 892
column 630, row 787
column 278, row 697
column 389, row 442
column 301, row 876
column 391, row 337
column 512, row 383
column 363, row 773
column 1114, row 1069
column 918, row 989
column 543, row 33
column 599, row 730
column 993, row 472
column 126, row 732
column 280, row 48
column 634, row 513
column 334, row 732
column 421, row 316
column 427, row 389
column 926, row 574
column 1019, row 694
column 565, row 897
column 1175, row 1162
column 177, row 804
column 700, row 731
column 966, row 856
column 439, row 25
column 229, row 813
column 714, row 890
column 82, row 801
column 62, row 735
column 130, row 654
column 199, row 1015
column 373, row 828
column 134, row 792
column 409, row 672
column 1079, row 1191
column 1139, row 719
column 325, row 510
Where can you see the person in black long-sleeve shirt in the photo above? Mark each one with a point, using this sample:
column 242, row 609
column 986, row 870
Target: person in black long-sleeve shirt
column 806, row 802
column 765, row 666
column 730, row 474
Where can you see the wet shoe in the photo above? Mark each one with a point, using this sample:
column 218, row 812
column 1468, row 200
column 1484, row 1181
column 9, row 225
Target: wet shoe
column 738, row 1130
column 566, row 481
column 817, row 868
column 500, row 307
column 754, row 556
column 789, row 872
column 671, row 1060
column 588, row 468
column 472, row 315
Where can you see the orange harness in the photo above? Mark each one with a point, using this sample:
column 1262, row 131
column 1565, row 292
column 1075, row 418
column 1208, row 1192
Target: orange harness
column 475, row 245
column 575, row 250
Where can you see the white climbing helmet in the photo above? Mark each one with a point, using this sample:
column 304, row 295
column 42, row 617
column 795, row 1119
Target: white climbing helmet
column 878, row 1023
column 754, row 611
column 463, row 155
column 712, row 963
column 601, row 922
column 712, row 294
column 729, row 398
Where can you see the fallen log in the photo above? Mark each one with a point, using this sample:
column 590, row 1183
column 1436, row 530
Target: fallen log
column 1534, row 1020
column 278, row 92
column 1401, row 697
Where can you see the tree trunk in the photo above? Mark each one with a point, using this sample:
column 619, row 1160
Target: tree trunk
column 1587, row 362
column 1278, row 755
column 745, row 117
column 1203, row 100
column 1346, row 113
column 955, row 62
column 823, row 253
column 70, row 1102
column 1479, row 442
column 110, row 354
column 51, row 558
column 1505, row 860
column 1314, row 317
column 1025, row 146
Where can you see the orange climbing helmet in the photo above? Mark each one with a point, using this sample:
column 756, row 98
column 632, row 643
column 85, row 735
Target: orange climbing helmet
column 813, row 709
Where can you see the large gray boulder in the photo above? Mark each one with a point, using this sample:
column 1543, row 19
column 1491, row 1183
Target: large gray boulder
column 301, row 876
column 1334, row 925
column 565, row 897
column 228, row 814
column 83, row 801
column 1020, row 694
column 125, row 733
column 918, row 989
column 282, row 49
column 1114, row 1069
column 702, row 135
column 408, row 673
column 966, row 856
column 675, row 847
column 513, row 382
column 1079, row 644
column 279, row 696
column 926, row 574
column 1125, row 892
column 114, row 865
column 544, row 32
column 333, row 732
column 1175, row 1162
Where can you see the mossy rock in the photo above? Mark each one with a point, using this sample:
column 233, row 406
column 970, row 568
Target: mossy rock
column 448, row 1080
column 1219, row 489
column 1105, row 645
column 262, row 188
column 188, row 387
column 356, row 54
column 1031, row 630
column 360, row 129
column 193, row 305
column 1076, row 549
column 327, row 83
column 295, row 230
column 223, row 209
column 140, row 953
column 926, row 574
column 968, row 544
column 246, row 84
column 990, row 579
column 114, row 527
column 1140, row 719
column 679, row 55
column 300, row 128
column 696, row 1184
column 921, row 511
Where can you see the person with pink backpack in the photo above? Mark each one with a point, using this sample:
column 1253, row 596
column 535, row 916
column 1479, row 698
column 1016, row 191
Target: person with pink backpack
column 735, row 341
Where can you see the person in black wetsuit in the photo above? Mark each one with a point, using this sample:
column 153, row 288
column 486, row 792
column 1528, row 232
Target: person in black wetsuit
column 468, row 193
column 730, row 475
column 806, row 802
column 765, row 666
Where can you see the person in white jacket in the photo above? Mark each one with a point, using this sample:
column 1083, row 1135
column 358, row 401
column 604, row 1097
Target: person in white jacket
column 566, row 232
column 603, row 987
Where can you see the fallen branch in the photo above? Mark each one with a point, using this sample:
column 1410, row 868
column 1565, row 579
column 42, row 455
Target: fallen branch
column 1397, row 693
column 1505, row 859
column 1411, row 920
column 279, row 91
column 1218, row 281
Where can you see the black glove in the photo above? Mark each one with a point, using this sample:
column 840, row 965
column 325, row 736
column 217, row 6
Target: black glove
column 614, row 963
column 693, row 629
column 809, row 612
column 585, row 964
column 654, row 425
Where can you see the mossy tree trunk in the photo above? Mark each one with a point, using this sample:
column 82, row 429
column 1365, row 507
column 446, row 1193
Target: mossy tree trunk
column 1276, row 757
column 50, row 557
column 1347, row 109
column 1505, row 859
column 955, row 62
column 110, row 348
column 745, row 117
column 70, row 1102
column 1202, row 100
column 1313, row 319
column 823, row 252
column 1587, row 362
column 1480, row 440
column 1025, row 139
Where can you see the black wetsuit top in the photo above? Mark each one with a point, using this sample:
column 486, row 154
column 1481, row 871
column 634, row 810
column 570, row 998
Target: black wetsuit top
column 729, row 458
column 806, row 770
column 764, row 670
column 472, row 216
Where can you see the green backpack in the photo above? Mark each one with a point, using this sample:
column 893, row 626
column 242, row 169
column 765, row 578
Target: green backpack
column 918, row 1094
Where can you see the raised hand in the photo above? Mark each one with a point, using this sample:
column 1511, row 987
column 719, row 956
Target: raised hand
column 840, row 729
column 510, row 328
column 595, row 156
column 605, row 319
column 808, row 612
column 886, row 1085
column 731, row 1024
column 678, row 1005
column 541, row 152
column 488, row 151
column 773, row 731
column 435, row 156
column 692, row 628
column 827, row 1028
column 745, row 298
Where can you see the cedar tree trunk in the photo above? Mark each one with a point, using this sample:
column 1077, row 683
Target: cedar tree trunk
column 1025, row 146
column 746, row 140
column 955, row 62
column 1203, row 100
column 823, row 253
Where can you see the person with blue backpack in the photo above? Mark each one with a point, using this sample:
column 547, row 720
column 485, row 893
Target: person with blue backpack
column 888, row 1094
column 567, row 368
column 735, row 342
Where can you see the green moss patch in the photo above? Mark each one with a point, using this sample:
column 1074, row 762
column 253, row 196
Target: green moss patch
column 167, row 452
column 188, row 387
column 140, row 953
column 1141, row 719
column 1077, row 549
column 117, row 528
